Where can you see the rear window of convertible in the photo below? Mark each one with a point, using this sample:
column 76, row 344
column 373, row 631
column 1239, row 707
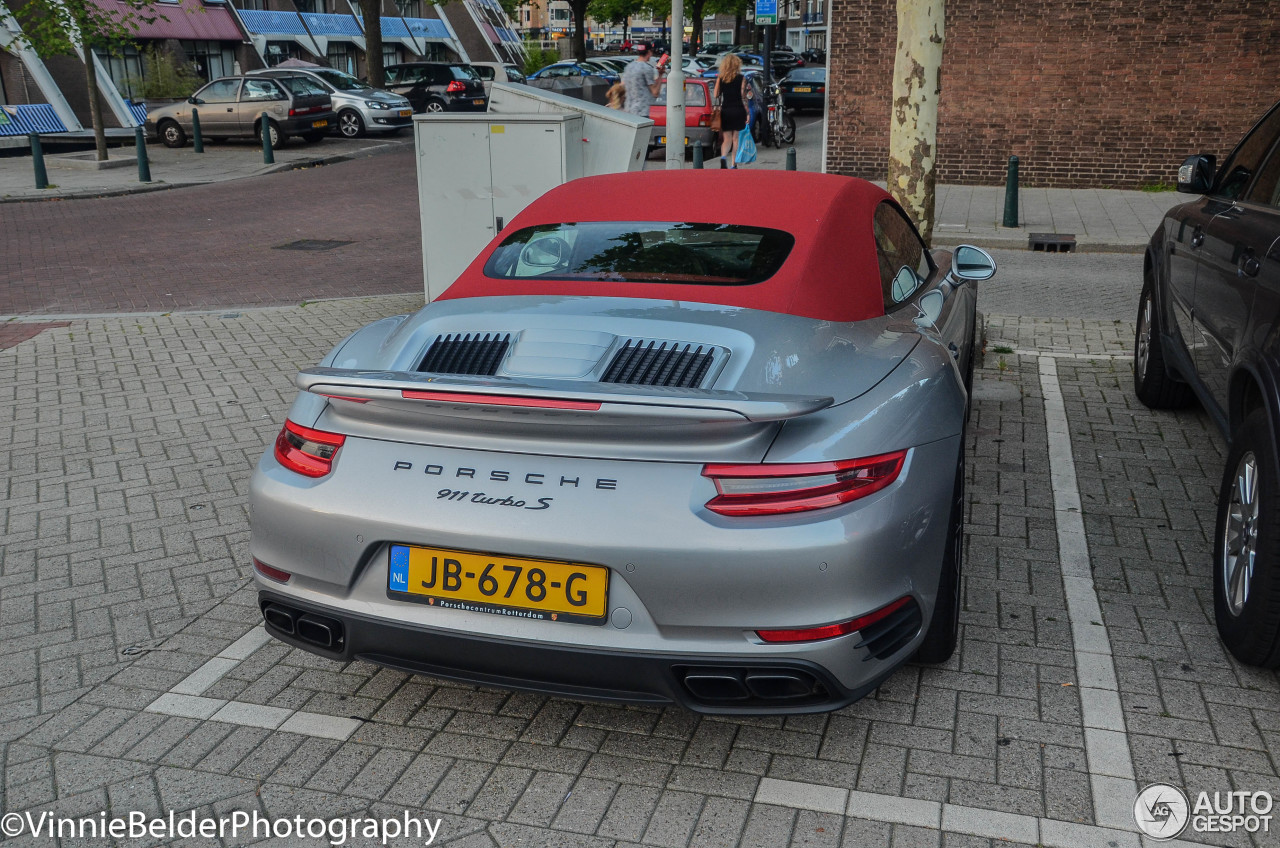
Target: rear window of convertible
column 642, row 252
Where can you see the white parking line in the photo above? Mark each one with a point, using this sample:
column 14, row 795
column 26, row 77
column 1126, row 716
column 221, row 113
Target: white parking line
column 953, row 818
column 1111, row 775
column 186, row 699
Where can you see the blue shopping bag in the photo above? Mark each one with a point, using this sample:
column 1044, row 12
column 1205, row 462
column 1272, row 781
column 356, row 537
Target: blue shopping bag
column 746, row 146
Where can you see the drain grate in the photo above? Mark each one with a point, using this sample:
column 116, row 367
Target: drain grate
column 313, row 244
column 1052, row 242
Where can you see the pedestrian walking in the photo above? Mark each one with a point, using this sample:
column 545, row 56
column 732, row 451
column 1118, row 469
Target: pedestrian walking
column 642, row 82
column 732, row 94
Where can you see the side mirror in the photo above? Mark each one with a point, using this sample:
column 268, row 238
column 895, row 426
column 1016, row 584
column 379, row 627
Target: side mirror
column 930, row 305
column 195, row 101
column 1196, row 174
column 972, row 263
column 545, row 252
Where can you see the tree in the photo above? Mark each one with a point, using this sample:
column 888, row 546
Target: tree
column 913, row 129
column 371, row 12
column 57, row 27
column 615, row 11
column 579, row 10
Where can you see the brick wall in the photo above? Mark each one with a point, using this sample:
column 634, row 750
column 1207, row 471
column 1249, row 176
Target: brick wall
column 1101, row 93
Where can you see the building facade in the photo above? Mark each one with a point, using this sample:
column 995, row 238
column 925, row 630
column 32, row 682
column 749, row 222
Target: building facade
column 1086, row 94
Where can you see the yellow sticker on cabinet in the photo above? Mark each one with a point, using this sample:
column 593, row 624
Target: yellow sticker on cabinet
column 497, row 128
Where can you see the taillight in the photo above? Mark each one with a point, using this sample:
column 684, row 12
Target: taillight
column 306, row 451
column 831, row 631
column 820, row 89
column 704, row 120
column 269, row 572
column 777, row 489
column 455, row 87
column 292, row 112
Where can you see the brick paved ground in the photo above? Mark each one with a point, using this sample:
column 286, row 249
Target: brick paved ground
column 125, row 603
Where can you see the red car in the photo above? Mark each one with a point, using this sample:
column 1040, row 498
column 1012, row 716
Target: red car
column 697, row 117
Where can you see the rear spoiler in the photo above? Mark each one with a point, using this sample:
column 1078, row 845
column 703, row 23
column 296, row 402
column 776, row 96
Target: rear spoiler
column 608, row 399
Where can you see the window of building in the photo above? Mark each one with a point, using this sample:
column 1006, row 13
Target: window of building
column 309, row 6
column 252, row 5
column 125, row 69
column 341, row 57
column 209, row 58
column 390, row 55
column 410, row 8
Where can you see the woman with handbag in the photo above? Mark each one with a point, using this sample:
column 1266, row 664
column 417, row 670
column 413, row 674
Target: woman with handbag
column 731, row 92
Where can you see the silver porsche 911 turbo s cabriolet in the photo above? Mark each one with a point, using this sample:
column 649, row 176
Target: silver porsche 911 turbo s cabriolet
column 716, row 461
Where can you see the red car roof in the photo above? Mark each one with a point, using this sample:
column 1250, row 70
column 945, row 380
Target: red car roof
column 831, row 274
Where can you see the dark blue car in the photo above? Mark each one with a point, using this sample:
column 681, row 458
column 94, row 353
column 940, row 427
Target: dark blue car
column 573, row 69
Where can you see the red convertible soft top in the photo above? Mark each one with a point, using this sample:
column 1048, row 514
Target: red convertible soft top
column 831, row 274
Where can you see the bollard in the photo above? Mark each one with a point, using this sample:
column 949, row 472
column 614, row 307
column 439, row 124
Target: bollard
column 268, row 157
column 791, row 158
column 197, row 138
column 697, row 156
column 140, row 147
column 1011, row 194
column 37, row 160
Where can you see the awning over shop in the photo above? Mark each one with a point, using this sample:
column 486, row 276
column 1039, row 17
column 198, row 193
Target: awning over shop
column 266, row 25
column 188, row 20
column 431, row 29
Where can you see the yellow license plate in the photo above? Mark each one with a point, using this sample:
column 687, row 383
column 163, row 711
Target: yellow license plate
column 799, row 90
column 319, row 124
column 478, row 102
column 525, row 588
column 663, row 140
column 404, row 113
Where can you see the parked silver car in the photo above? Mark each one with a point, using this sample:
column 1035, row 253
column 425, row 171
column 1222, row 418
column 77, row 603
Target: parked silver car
column 360, row 107
column 233, row 106
column 716, row 460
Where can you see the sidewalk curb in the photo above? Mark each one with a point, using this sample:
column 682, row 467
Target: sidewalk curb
column 1083, row 245
column 160, row 185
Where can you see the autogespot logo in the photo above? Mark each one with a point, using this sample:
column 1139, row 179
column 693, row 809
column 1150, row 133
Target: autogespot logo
column 1161, row 811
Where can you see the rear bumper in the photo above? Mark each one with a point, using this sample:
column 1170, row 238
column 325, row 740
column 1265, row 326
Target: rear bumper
column 695, row 135
column 468, row 104
column 306, row 123
column 721, row 685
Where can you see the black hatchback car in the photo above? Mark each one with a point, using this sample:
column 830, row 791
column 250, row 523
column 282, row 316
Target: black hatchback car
column 1209, row 329
column 438, row 86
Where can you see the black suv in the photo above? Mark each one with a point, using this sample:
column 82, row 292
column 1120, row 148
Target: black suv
column 1209, row 329
column 438, row 86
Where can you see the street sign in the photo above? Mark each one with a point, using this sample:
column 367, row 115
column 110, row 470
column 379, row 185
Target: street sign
column 766, row 12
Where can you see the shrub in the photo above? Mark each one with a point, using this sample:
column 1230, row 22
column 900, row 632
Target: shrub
column 164, row 76
column 539, row 59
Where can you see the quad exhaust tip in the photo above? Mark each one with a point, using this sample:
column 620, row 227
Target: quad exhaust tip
column 318, row 630
column 736, row 685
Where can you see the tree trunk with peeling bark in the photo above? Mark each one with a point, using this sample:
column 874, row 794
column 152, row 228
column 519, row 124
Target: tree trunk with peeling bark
column 913, row 132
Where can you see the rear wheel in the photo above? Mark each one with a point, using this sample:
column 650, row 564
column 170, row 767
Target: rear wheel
column 433, row 106
column 172, row 135
column 1152, row 382
column 787, row 132
column 277, row 138
column 1246, row 585
column 944, row 625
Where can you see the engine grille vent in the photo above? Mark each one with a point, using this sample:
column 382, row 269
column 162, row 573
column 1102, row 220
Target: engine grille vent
column 652, row 363
column 470, row 353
